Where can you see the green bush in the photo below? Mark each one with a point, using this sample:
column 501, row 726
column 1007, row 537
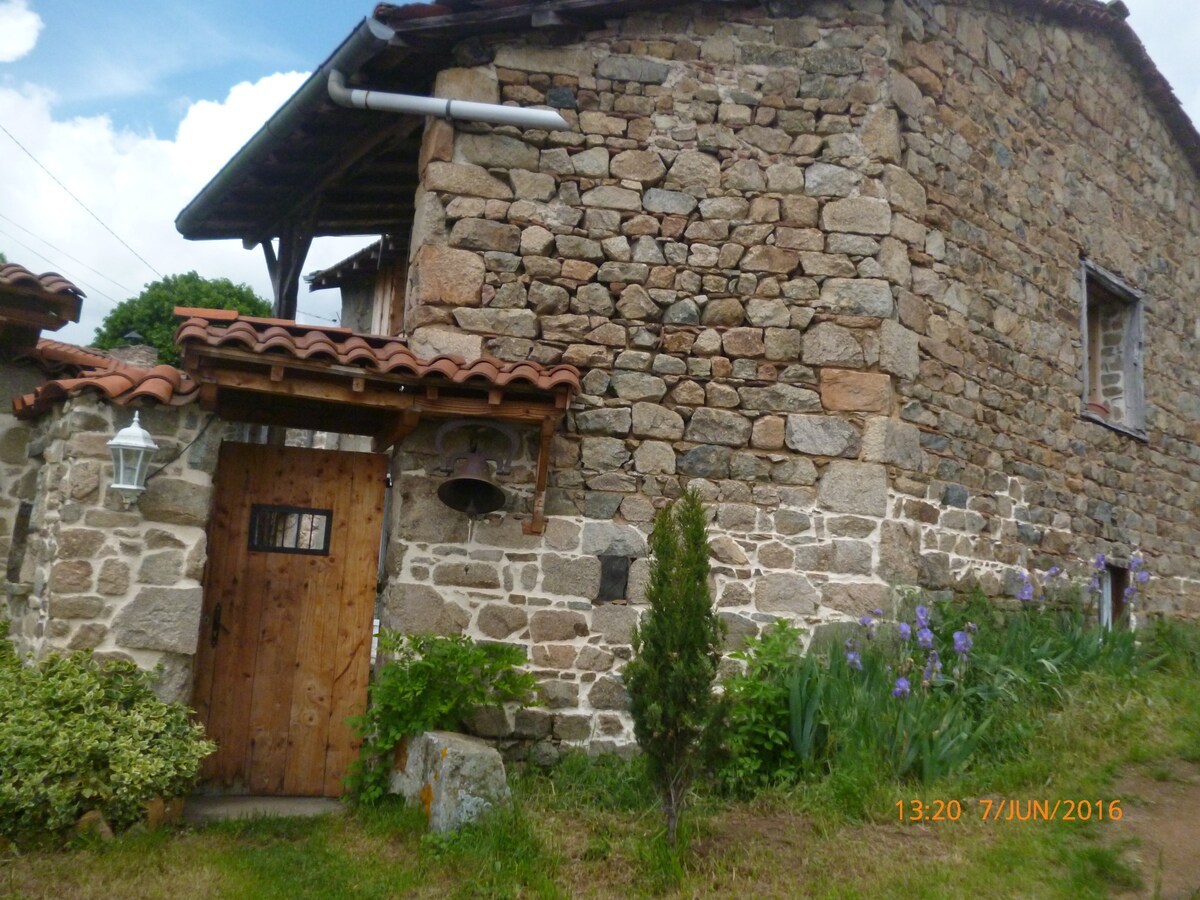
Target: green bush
column 758, row 728
column 431, row 682
column 77, row 735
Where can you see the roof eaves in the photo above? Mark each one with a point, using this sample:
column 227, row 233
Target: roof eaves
column 368, row 38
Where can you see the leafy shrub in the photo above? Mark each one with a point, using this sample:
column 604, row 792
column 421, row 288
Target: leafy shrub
column 431, row 682
column 677, row 649
column 758, row 728
column 77, row 735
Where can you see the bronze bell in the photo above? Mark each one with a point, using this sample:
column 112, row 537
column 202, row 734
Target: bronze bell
column 470, row 488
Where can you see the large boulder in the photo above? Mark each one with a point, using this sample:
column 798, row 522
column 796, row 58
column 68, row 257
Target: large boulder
column 455, row 778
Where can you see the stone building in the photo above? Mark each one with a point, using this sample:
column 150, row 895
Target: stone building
column 904, row 288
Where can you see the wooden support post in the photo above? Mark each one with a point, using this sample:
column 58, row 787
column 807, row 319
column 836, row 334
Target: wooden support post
column 537, row 523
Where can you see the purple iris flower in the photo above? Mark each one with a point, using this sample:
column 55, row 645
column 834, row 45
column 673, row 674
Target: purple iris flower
column 962, row 643
column 925, row 639
column 877, row 613
column 905, row 631
column 933, row 668
column 922, row 617
column 1052, row 571
column 902, row 688
column 866, row 621
column 853, row 660
column 1100, row 561
column 972, row 627
column 1026, row 593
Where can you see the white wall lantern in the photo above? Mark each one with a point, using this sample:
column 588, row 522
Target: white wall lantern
column 131, row 449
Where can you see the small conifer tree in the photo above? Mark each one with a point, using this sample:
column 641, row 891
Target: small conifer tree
column 677, row 650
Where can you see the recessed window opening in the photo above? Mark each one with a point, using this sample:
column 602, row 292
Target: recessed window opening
column 1112, row 343
column 289, row 529
column 614, row 578
column 1114, row 584
column 20, row 539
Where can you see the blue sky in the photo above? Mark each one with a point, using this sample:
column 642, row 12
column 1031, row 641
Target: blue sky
column 143, row 63
column 134, row 105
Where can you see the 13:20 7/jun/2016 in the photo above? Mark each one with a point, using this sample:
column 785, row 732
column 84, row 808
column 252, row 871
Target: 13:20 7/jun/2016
column 1011, row 810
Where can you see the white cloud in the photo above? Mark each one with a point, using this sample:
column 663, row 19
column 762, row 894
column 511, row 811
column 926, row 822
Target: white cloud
column 19, row 29
column 1170, row 29
column 136, row 184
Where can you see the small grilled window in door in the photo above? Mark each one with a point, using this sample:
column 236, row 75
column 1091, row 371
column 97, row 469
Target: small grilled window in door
column 289, row 529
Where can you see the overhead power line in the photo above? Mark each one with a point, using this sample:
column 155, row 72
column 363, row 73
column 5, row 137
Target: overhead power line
column 86, row 208
column 92, row 289
column 64, row 253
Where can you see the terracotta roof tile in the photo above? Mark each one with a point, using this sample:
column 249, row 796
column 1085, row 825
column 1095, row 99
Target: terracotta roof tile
column 378, row 353
column 33, row 302
column 49, row 284
column 91, row 370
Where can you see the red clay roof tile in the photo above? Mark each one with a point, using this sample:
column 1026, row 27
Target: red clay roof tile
column 37, row 301
column 50, row 284
column 379, row 353
column 91, row 370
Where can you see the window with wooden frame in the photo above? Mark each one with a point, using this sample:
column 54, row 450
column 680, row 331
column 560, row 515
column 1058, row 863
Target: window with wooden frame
column 1113, row 584
column 1111, row 324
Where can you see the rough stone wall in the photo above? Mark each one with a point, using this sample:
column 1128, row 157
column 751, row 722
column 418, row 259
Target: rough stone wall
column 1036, row 145
column 121, row 582
column 822, row 262
column 17, row 474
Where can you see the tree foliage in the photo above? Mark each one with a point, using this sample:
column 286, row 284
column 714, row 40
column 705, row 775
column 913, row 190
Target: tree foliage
column 152, row 312
column 677, row 650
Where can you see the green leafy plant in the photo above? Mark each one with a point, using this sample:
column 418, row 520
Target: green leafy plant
column 77, row 735
column 431, row 682
column 758, row 727
column 677, row 649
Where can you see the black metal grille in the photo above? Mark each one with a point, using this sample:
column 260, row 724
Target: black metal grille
column 290, row 529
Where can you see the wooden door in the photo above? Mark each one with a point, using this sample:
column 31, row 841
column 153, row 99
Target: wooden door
column 289, row 600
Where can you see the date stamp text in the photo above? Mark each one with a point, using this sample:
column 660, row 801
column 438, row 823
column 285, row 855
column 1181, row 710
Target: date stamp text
column 1010, row 810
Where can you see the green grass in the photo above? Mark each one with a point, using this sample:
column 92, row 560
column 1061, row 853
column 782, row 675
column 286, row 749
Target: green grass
column 591, row 828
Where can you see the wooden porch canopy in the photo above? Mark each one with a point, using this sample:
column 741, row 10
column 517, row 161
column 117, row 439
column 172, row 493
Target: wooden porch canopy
column 278, row 372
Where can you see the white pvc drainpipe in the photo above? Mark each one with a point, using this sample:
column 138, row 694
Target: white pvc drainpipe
column 493, row 113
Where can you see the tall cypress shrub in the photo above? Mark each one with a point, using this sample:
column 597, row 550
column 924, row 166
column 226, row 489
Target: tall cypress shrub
column 677, row 649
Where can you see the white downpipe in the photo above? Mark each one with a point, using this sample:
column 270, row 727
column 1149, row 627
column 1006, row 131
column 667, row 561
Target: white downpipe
column 494, row 113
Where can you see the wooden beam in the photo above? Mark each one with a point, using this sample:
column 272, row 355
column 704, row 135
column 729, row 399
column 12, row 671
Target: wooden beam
column 381, row 398
column 396, row 431
column 537, row 523
column 352, row 154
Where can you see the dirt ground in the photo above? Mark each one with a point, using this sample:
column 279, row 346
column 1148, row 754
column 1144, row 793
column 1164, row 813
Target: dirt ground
column 1163, row 813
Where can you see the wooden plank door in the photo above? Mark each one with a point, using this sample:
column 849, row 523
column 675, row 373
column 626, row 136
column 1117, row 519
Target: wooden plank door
column 289, row 599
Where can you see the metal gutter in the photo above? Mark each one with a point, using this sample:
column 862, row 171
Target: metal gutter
column 494, row 113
